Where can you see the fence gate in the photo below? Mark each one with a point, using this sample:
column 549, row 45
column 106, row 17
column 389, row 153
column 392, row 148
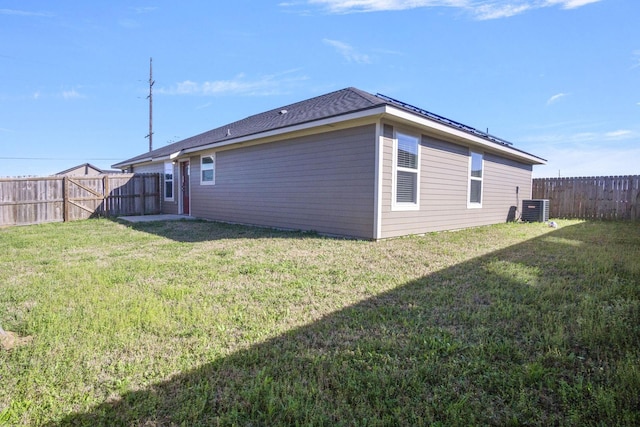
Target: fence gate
column 85, row 197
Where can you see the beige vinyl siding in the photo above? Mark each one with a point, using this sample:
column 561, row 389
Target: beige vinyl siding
column 501, row 177
column 149, row 168
column 166, row 207
column 323, row 182
column 444, row 180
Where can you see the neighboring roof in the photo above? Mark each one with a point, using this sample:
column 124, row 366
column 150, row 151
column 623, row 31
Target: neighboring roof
column 84, row 166
column 334, row 104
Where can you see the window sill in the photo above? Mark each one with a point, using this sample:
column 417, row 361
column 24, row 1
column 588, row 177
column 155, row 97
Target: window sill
column 405, row 207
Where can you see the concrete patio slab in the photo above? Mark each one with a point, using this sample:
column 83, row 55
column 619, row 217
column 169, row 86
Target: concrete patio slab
column 162, row 217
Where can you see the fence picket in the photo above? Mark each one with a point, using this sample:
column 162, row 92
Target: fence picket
column 26, row 201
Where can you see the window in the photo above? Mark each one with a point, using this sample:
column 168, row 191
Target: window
column 406, row 171
column 168, row 181
column 475, row 179
column 387, row 131
column 208, row 169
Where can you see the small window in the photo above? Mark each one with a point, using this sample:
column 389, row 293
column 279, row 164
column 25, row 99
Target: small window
column 208, row 169
column 168, row 181
column 387, row 131
column 475, row 179
column 406, row 171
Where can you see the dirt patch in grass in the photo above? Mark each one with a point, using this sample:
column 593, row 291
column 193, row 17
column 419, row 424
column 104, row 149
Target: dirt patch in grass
column 10, row 340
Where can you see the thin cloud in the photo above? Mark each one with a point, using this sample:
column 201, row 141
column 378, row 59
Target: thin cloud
column 67, row 95
column 588, row 161
column 571, row 4
column 72, row 94
column 619, row 134
column 580, row 137
column 479, row 9
column 555, row 98
column 351, row 6
column 239, row 85
column 496, row 11
column 348, row 52
column 586, row 153
column 203, row 106
column 15, row 12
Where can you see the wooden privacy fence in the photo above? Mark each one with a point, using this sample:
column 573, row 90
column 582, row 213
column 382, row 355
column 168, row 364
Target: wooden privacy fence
column 26, row 201
column 605, row 197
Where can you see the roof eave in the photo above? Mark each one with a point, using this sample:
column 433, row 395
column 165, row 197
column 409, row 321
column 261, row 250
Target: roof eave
column 461, row 135
column 127, row 163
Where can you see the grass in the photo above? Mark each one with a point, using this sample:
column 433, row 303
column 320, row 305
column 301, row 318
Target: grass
column 198, row 323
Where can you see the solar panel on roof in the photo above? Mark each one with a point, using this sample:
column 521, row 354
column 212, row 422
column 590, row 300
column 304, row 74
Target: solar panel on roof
column 444, row 120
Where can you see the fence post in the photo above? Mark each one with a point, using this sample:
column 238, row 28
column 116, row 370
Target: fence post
column 158, row 189
column 143, row 196
column 105, row 195
column 65, row 198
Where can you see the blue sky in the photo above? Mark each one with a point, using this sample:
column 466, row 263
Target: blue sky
column 558, row 78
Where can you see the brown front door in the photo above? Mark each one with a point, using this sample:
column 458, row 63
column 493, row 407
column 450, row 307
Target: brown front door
column 184, row 186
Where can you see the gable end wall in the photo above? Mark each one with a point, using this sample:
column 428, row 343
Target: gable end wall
column 444, row 176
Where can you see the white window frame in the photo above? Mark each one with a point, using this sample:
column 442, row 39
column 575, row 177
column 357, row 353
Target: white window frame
column 168, row 169
column 212, row 156
column 405, row 206
column 470, row 204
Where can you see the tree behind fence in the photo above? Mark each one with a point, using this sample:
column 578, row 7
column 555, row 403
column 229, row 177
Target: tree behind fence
column 604, row 197
column 26, row 201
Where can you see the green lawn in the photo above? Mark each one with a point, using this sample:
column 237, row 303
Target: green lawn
column 198, row 323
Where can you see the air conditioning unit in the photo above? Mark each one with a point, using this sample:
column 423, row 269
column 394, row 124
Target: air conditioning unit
column 536, row 210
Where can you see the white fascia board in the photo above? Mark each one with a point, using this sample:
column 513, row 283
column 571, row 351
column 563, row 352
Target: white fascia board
column 127, row 164
column 289, row 129
column 462, row 136
column 141, row 162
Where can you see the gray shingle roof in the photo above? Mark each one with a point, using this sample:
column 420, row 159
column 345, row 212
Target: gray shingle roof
column 332, row 104
column 341, row 102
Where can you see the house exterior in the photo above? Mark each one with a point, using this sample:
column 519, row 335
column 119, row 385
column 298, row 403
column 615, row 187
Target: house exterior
column 346, row 163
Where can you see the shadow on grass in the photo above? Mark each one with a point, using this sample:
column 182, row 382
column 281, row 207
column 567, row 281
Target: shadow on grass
column 199, row 230
column 493, row 341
